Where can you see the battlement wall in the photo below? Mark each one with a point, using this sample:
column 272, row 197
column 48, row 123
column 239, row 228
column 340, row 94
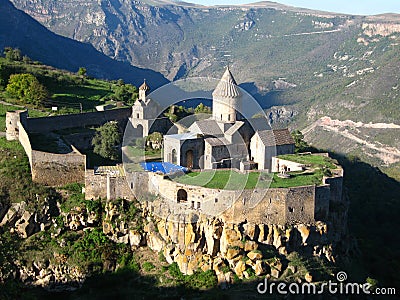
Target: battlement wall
column 51, row 123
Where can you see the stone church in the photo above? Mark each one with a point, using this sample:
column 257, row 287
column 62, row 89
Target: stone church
column 227, row 139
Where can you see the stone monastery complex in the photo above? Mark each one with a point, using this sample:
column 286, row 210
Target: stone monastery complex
column 224, row 141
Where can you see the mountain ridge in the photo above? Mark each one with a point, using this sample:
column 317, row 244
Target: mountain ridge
column 39, row 43
column 300, row 65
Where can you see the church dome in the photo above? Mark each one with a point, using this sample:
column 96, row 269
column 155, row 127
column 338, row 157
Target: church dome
column 227, row 86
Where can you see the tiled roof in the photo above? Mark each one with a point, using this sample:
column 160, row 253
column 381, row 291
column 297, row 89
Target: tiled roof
column 234, row 128
column 217, row 141
column 206, row 127
column 227, row 86
column 276, row 137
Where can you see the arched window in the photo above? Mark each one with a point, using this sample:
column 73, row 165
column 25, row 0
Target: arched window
column 181, row 196
column 173, row 156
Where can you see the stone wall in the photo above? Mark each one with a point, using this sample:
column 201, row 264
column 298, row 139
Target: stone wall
column 95, row 185
column 306, row 204
column 12, row 120
column 58, row 169
column 336, row 185
column 106, row 187
column 81, row 140
column 322, row 199
column 277, row 163
column 25, row 142
column 46, row 124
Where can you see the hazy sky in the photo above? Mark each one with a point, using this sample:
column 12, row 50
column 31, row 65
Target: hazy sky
column 360, row 7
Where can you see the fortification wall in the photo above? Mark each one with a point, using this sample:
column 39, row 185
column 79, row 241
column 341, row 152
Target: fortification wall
column 299, row 204
column 336, row 186
column 58, row 169
column 283, row 206
column 322, row 199
column 99, row 186
column 117, row 187
column 46, row 124
column 95, row 186
column 12, row 120
column 81, row 140
column 25, row 142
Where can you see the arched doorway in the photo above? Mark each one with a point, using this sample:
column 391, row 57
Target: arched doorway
column 181, row 196
column 139, row 131
column 173, row 156
column 189, row 159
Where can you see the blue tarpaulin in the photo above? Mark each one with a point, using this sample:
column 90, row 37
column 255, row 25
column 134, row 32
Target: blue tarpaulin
column 163, row 167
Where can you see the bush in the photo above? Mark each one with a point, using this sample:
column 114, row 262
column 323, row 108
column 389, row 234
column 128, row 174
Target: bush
column 27, row 89
column 148, row 266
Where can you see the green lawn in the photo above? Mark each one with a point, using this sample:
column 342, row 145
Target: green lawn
column 297, row 179
column 91, row 93
column 313, row 160
column 231, row 180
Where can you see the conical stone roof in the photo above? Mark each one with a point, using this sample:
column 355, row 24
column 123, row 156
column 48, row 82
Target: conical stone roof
column 227, row 86
column 144, row 87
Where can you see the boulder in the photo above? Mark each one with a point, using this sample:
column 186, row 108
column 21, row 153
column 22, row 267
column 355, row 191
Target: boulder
column 155, row 241
column 134, row 238
column 275, row 273
column 240, row 268
column 259, row 268
column 26, row 225
column 308, row 277
column 254, row 255
column 169, row 251
column 304, row 232
column 231, row 253
column 250, row 246
column 11, row 216
column 218, row 265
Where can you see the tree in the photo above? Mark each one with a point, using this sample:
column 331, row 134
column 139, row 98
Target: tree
column 26, row 88
column 155, row 140
column 125, row 93
column 107, row 140
column 299, row 142
column 12, row 54
column 82, row 71
column 201, row 108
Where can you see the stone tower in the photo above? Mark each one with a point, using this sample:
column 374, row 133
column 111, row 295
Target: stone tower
column 12, row 120
column 143, row 91
column 226, row 99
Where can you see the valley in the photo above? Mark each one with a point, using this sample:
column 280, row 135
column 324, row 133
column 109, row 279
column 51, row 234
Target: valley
column 335, row 65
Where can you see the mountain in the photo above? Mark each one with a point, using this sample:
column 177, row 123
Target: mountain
column 304, row 67
column 19, row 30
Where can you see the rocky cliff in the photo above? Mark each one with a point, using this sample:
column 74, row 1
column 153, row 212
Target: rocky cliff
column 51, row 236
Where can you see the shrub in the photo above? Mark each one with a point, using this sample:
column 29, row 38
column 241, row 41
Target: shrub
column 148, row 266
